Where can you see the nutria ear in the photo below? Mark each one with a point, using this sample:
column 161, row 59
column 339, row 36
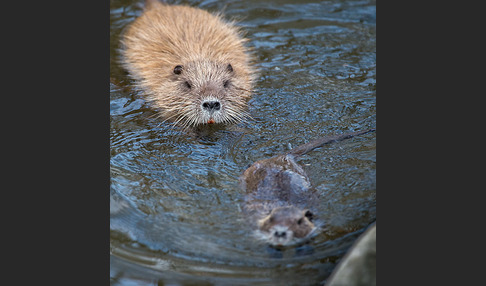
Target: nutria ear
column 229, row 68
column 308, row 214
column 178, row 69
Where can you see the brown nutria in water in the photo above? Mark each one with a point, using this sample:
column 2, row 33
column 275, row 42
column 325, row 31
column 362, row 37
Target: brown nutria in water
column 192, row 64
column 279, row 196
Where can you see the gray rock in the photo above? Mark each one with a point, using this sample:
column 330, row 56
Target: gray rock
column 358, row 266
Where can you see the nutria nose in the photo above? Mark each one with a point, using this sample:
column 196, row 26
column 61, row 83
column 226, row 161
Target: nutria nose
column 280, row 233
column 211, row 105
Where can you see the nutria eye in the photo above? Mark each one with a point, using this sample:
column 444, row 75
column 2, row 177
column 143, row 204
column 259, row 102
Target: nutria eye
column 299, row 222
column 229, row 68
column 226, row 84
column 188, row 85
column 178, row 69
column 309, row 215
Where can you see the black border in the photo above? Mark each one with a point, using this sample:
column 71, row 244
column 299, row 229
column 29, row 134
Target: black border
column 428, row 113
column 56, row 135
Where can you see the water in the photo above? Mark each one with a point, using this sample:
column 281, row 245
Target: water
column 174, row 196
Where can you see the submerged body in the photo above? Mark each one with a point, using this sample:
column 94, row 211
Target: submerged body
column 279, row 197
column 192, row 64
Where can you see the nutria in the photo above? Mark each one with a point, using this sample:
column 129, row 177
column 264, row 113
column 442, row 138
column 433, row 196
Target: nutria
column 279, row 197
column 192, row 65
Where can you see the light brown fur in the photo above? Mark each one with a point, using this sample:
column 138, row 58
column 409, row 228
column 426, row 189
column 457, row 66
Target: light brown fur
column 215, row 65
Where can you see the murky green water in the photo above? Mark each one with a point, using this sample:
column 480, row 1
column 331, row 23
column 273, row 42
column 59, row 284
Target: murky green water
column 174, row 196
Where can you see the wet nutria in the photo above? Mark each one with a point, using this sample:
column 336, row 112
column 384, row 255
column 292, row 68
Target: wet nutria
column 192, row 65
column 279, row 196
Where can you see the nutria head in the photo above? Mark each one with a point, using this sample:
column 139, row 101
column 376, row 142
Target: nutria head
column 192, row 65
column 286, row 225
column 205, row 92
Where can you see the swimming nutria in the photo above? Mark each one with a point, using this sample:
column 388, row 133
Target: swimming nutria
column 279, row 195
column 192, row 64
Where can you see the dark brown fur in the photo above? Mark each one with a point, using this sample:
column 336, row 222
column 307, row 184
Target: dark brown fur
column 279, row 194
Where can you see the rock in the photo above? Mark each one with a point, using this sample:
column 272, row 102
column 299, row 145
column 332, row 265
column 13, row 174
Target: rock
column 358, row 266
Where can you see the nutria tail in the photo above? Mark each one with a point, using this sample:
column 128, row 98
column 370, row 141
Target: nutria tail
column 306, row 148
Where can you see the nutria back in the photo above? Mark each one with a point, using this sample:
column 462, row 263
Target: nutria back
column 192, row 65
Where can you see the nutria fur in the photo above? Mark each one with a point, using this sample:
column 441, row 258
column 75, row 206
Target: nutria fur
column 279, row 197
column 192, row 65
